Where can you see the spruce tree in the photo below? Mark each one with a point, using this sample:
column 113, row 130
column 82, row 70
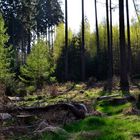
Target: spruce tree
column 5, row 72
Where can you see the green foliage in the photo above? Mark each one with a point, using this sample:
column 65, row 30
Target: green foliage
column 111, row 109
column 59, row 43
column 109, row 128
column 5, row 71
column 39, row 66
column 30, row 89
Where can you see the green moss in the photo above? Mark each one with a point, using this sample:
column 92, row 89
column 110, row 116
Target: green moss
column 111, row 109
column 111, row 128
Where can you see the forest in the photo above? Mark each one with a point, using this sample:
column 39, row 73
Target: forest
column 57, row 84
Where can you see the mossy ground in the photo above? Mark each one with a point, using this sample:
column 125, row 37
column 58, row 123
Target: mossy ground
column 114, row 125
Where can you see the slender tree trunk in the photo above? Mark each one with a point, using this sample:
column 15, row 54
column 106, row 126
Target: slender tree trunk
column 135, row 6
column 38, row 34
column 29, row 42
column 49, row 38
column 97, row 30
column 66, row 40
column 124, row 84
column 97, row 42
column 83, row 44
column 46, row 35
column 111, row 37
column 52, row 40
column 110, row 62
column 129, row 41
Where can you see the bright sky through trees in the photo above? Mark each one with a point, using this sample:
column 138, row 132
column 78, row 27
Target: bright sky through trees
column 74, row 12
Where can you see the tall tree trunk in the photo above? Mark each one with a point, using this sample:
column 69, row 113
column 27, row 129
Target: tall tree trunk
column 49, row 38
column 135, row 6
column 66, row 40
column 83, row 44
column 129, row 40
column 98, row 65
column 110, row 56
column 52, row 39
column 29, row 42
column 124, row 84
column 97, row 30
column 111, row 37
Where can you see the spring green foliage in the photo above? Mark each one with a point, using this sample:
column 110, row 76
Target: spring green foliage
column 5, row 72
column 59, row 43
column 39, row 66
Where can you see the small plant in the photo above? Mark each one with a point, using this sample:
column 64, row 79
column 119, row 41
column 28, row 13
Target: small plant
column 30, row 89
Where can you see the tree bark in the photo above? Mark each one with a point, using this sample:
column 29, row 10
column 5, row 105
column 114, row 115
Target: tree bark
column 83, row 44
column 109, row 44
column 129, row 56
column 66, row 40
column 124, row 84
column 97, row 30
column 29, row 42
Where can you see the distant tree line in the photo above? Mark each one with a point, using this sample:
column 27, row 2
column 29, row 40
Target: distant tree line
column 37, row 47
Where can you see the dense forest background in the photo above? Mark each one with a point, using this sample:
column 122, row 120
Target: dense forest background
column 56, row 84
column 37, row 47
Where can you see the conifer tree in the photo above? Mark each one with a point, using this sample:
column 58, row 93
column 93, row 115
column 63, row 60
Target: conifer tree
column 39, row 66
column 5, row 72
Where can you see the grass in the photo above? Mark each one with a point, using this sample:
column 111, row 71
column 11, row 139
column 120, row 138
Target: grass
column 113, row 126
column 118, row 127
column 110, row 109
column 110, row 128
column 73, row 95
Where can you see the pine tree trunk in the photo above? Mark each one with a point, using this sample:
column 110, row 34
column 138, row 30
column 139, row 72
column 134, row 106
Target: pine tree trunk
column 97, row 30
column 29, row 42
column 109, row 45
column 83, row 44
column 66, row 40
column 98, row 65
column 128, row 41
column 124, row 84
column 111, row 38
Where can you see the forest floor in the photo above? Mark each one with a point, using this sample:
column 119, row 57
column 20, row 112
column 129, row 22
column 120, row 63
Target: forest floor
column 110, row 118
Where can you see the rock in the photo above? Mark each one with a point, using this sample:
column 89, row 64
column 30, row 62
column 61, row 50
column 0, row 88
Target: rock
column 5, row 116
column 16, row 98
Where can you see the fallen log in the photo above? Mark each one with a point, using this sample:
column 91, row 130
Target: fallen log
column 107, row 97
column 116, row 98
column 75, row 109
